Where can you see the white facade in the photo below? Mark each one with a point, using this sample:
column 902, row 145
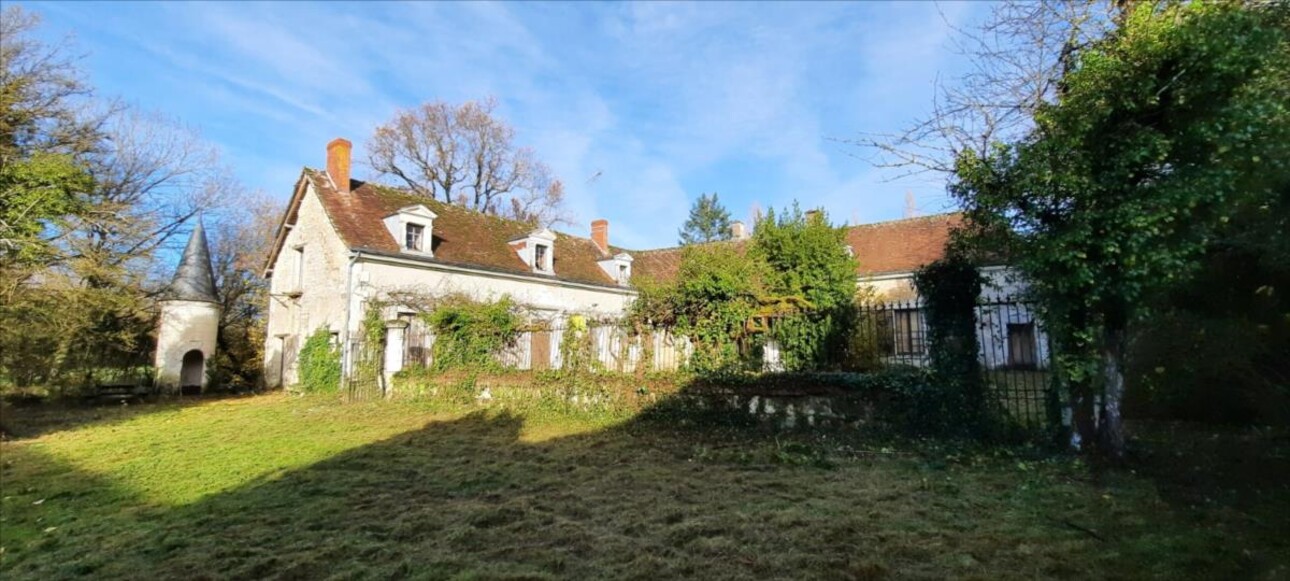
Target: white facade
column 1008, row 329
column 185, row 343
column 318, row 282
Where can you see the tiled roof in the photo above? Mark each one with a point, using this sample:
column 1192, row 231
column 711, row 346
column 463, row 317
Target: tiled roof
column 464, row 237
column 880, row 248
column 460, row 237
column 662, row 265
column 901, row 245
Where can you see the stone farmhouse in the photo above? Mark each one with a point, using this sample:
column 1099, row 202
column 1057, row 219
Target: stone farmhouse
column 342, row 242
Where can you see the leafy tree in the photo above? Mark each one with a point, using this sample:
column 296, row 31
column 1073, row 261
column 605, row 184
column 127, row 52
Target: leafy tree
column 709, row 221
column 44, row 133
column 36, row 191
column 807, row 259
column 1163, row 131
column 714, row 294
column 464, row 154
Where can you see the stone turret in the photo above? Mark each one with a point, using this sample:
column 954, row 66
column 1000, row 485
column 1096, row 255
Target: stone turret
column 189, row 322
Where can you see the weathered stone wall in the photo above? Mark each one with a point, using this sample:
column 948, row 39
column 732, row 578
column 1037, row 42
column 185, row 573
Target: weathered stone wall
column 319, row 282
column 184, row 326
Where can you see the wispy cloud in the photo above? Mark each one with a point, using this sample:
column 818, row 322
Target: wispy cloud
column 638, row 107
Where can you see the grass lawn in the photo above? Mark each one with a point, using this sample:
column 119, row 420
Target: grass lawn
column 274, row 486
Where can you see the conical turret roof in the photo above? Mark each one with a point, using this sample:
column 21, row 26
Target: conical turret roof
column 194, row 280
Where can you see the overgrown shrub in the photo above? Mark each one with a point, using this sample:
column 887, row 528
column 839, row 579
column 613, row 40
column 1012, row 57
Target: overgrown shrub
column 468, row 333
column 319, row 364
column 806, row 258
column 1211, row 369
column 710, row 302
column 950, row 288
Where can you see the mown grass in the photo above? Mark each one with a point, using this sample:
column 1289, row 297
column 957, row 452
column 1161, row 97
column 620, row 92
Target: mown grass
column 307, row 488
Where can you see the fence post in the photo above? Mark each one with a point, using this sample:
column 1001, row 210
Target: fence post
column 395, row 333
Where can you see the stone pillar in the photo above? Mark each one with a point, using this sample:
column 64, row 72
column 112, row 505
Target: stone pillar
column 395, row 334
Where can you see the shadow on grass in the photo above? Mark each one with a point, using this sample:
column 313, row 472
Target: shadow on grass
column 1194, row 463
column 469, row 497
column 37, row 419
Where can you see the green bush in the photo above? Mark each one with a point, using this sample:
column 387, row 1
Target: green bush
column 806, row 258
column 319, row 364
column 714, row 294
column 468, row 333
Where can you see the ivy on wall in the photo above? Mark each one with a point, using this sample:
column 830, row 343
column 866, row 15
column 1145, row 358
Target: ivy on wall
column 319, row 363
column 469, row 332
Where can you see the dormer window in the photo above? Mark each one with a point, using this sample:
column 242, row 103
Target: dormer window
column 413, row 237
column 537, row 250
column 618, row 267
column 412, row 229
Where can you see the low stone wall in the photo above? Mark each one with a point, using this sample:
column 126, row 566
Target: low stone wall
column 775, row 405
column 787, row 411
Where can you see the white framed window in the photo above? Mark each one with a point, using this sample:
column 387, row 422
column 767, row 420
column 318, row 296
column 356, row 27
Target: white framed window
column 537, row 250
column 414, row 236
column 542, row 257
column 412, row 229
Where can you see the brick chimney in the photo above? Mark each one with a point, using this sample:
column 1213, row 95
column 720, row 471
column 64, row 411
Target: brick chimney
column 600, row 234
column 738, row 231
column 338, row 163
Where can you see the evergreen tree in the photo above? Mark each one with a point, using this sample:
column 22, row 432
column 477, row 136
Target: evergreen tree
column 709, row 221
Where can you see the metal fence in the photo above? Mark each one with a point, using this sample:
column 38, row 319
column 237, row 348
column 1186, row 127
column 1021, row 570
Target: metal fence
column 1014, row 350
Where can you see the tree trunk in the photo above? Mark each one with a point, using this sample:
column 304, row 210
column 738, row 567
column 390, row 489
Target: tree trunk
column 1083, row 420
column 1111, row 428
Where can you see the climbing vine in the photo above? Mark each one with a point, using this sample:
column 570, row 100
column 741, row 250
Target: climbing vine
column 949, row 288
column 319, row 363
column 469, row 332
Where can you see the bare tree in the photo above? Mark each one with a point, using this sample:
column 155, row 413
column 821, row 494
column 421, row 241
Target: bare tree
column 463, row 154
column 241, row 239
column 153, row 176
column 1016, row 60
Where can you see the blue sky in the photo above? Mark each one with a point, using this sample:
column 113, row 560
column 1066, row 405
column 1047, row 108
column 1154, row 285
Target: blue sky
column 663, row 101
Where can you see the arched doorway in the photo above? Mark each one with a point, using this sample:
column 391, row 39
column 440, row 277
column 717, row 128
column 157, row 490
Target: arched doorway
column 190, row 375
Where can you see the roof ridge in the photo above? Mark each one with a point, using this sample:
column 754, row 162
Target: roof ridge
column 900, row 220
